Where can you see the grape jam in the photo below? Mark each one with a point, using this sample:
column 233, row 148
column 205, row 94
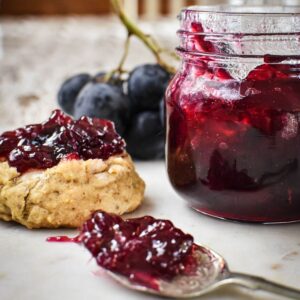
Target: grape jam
column 143, row 249
column 233, row 145
column 42, row 146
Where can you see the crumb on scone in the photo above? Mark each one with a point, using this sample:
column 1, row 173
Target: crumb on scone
column 66, row 194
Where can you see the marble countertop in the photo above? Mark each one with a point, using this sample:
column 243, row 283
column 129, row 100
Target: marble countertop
column 31, row 268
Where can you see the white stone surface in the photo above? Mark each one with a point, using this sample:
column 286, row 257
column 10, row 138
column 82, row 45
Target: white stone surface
column 31, row 268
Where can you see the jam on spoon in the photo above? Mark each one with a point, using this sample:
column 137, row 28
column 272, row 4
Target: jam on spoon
column 143, row 249
column 41, row 146
column 153, row 256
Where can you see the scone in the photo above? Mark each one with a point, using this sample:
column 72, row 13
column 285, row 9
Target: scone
column 56, row 173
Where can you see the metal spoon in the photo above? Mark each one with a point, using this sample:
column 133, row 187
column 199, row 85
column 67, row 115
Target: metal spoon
column 212, row 273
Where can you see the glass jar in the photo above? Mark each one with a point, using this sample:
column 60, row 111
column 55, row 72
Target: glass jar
column 233, row 113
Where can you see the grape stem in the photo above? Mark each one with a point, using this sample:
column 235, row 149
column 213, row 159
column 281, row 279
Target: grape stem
column 148, row 40
column 120, row 69
column 125, row 54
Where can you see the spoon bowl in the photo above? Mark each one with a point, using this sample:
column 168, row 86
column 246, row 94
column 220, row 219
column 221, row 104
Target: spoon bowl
column 212, row 272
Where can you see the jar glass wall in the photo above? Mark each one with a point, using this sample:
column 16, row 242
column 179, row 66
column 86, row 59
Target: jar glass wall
column 233, row 113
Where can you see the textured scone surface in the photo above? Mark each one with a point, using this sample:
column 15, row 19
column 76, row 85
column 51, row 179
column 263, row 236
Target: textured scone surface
column 66, row 194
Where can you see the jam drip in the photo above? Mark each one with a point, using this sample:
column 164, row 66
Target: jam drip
column 63, row 239
column 42, row 146
column 142, row 249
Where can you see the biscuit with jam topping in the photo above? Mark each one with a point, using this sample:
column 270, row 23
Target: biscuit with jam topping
column 56, row 173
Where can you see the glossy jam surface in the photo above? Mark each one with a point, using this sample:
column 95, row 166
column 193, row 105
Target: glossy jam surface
column 42, row 146
column 143, row 249
column 233, row 145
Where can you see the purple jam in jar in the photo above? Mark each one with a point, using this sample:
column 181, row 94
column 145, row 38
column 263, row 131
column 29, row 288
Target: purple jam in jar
column 233, row 113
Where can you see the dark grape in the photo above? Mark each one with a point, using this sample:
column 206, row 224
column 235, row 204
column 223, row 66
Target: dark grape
column 146, row 86
column 146, row 137
column 103, row 100
column 70, row 89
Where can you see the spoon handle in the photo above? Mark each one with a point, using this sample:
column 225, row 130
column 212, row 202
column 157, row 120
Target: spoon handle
column 259, row 283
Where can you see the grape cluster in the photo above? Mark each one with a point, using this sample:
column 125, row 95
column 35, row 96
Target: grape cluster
column 135, row 105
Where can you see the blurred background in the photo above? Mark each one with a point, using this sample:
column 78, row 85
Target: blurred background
column 150, row 8
column 43, row 42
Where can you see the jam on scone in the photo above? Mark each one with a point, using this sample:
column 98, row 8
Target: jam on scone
column 56, row 173
column 42, row 146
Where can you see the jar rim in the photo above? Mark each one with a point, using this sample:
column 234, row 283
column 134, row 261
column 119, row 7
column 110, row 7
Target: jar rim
column 239, row 10
column 232, row 31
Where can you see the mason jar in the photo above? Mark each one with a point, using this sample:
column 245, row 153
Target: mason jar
column 233, row 113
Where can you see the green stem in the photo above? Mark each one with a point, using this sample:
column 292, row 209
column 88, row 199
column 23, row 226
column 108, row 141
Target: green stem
column 119, row 70
column 148, row 40
column 125, row 54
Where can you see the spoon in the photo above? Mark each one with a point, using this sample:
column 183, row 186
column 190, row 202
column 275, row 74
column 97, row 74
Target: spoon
column 212, row 273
